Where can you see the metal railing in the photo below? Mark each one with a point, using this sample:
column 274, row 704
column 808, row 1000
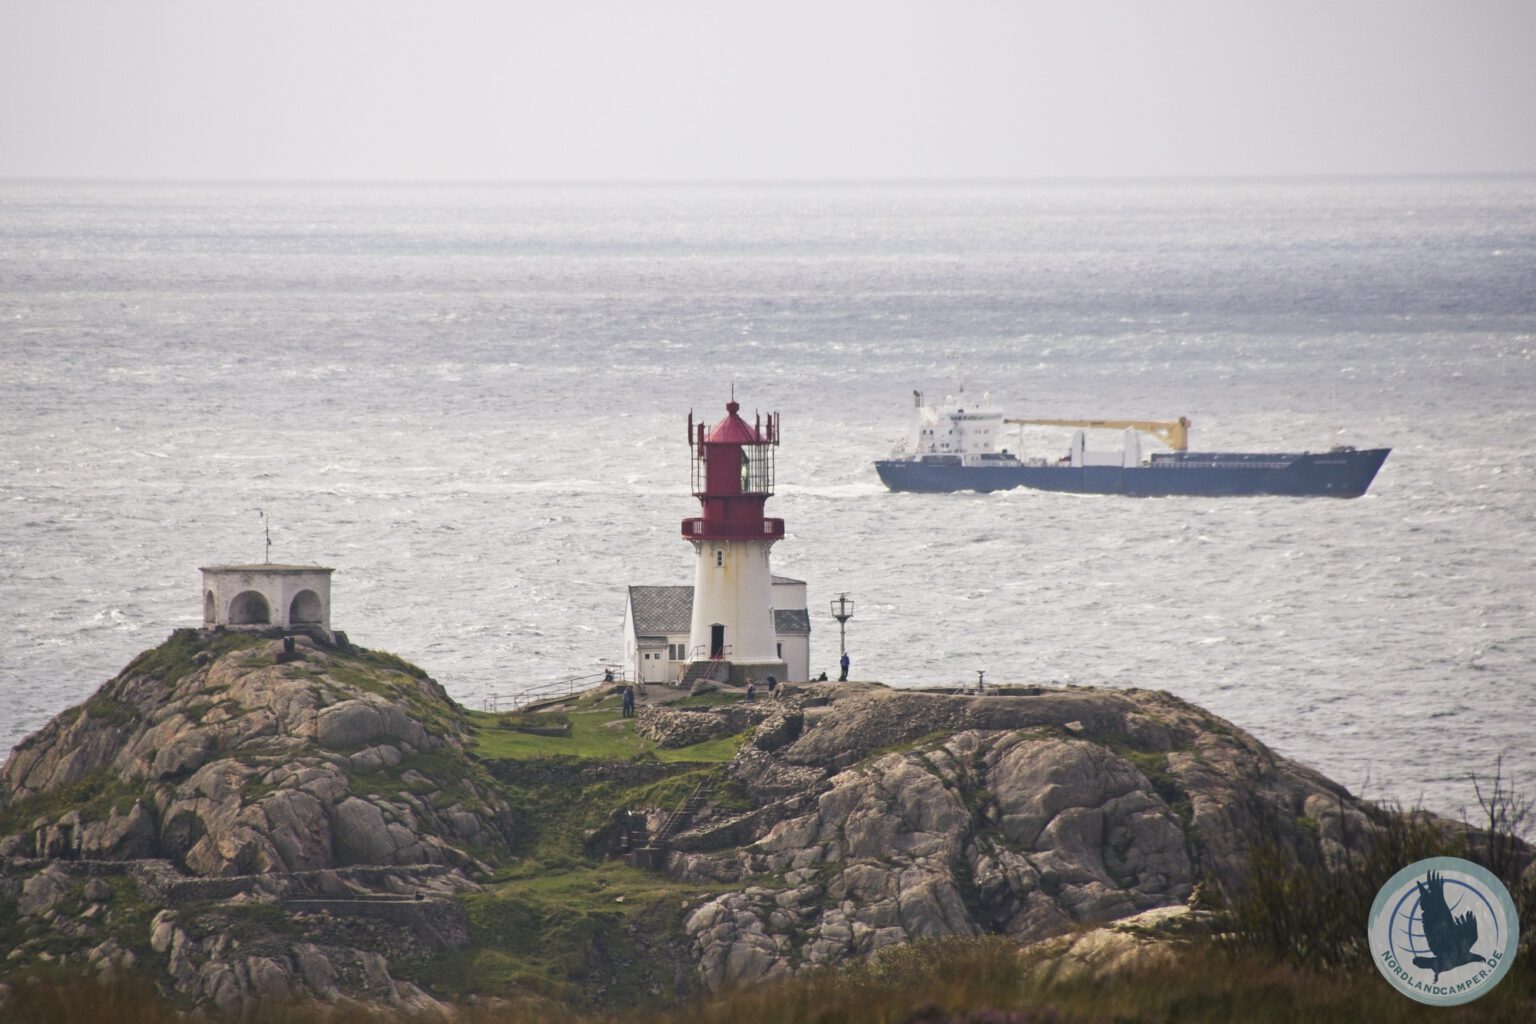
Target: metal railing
column 565, row 686
column 697, row 653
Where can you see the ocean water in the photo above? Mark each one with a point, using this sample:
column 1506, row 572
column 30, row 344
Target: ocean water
column 471, row 402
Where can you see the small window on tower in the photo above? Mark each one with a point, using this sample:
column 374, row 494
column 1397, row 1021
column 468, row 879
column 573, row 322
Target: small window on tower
column 719, row 559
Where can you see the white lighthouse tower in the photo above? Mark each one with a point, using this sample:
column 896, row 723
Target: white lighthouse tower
column 733, row 586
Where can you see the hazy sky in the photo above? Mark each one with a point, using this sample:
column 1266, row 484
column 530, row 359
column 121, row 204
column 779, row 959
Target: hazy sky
column 586, row 89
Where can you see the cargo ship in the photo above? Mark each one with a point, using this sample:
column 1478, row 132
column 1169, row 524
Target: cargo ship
column 957, row 449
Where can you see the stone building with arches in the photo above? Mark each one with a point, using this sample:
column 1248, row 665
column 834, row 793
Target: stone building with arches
column 266, row 594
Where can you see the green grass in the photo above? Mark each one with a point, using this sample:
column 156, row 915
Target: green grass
column 587, row 888
column 918, row 744
column 591, row 738
column 96, row 796
column 173, row 659
column 110, row 711
column 563, row 933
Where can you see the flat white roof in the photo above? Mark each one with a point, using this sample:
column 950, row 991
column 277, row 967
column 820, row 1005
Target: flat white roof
column 266, row 567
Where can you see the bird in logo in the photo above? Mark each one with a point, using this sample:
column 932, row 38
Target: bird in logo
column 1450, row 938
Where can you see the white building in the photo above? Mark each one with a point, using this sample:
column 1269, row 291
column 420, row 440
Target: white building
column 658, row 620
column 266, row 594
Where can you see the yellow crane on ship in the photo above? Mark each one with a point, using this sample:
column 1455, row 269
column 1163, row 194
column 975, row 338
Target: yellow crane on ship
column 1173, row 433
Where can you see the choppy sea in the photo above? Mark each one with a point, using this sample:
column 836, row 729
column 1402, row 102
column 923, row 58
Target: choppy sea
column 471, row 402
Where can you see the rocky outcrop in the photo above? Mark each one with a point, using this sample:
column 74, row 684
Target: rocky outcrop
column 898, row 816
column 244, row 764
column 222, row 757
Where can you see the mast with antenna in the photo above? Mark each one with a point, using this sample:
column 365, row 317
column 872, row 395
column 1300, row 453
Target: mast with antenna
column 266, row 529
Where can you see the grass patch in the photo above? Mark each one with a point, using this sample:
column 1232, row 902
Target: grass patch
column 585, row 935
column 96, row 796
column 718, row 750
column 591, row 737
column 599, row 733
column 394, row 663
column 110, row 711
column 372, row 681
column 174, row 658
column 927, row 741
column 399, row 682
column 536, row 723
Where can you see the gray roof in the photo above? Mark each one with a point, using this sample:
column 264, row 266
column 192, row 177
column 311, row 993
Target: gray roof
column 791, row 620
column 785, row 579
column 659, row 611
column 667, row 611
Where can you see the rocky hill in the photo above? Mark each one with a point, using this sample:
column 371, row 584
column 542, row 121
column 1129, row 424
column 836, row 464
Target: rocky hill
column 245, row 822
column 233, row 782
column 888, row 816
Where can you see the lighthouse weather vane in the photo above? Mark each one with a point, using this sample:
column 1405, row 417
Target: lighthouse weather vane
column 266, row 529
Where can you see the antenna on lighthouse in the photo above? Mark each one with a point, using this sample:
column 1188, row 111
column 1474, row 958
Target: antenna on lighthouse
column 266, row 529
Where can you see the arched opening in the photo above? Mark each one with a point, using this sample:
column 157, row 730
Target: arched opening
column 210, row 609
column 249, row 609
column 305, row 608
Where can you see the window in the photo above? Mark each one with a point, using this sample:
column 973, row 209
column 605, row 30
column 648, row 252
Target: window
column 780, row 649
column 719, row 559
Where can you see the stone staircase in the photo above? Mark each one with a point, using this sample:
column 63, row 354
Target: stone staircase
column 679, row 818
column 714, row 669
column 653, row 855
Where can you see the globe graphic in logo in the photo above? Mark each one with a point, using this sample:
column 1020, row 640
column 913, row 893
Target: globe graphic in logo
column 1443, row 931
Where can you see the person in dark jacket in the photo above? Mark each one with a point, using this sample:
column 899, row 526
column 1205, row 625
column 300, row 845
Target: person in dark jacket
column 843, row 663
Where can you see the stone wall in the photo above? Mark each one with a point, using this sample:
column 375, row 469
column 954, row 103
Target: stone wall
column 683, row 727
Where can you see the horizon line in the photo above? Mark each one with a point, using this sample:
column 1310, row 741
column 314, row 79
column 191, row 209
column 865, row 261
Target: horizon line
column 978, row 180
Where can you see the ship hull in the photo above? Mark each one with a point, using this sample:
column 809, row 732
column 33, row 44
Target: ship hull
column 1341, row 474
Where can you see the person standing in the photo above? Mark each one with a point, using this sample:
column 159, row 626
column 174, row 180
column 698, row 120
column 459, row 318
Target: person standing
column 629, row 702
column 751, row 689
column 843, row 664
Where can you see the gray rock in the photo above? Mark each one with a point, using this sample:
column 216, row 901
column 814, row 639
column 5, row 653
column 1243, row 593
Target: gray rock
column 41, row 892
column 361, row 834
column 374, row 758
column 130, row 835
column 316, row 970
column 355, row 722
column 162, row 930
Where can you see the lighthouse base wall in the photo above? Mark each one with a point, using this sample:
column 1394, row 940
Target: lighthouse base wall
column 741, row 671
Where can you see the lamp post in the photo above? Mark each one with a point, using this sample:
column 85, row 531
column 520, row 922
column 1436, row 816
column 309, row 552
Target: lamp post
column 842, row 611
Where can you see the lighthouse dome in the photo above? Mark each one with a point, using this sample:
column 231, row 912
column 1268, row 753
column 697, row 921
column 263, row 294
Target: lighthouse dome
column 733, row 429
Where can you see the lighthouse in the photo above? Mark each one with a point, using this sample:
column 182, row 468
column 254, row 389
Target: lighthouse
column 732, row 472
